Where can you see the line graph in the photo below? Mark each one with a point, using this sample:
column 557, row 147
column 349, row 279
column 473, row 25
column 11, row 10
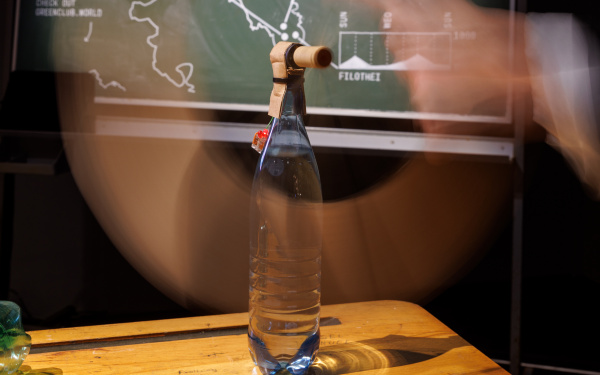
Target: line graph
column 370, row 50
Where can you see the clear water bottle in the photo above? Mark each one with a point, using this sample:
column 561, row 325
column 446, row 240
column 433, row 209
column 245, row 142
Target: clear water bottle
column 285, row 244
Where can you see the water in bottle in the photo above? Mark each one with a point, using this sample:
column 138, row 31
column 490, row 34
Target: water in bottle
column 285, row 247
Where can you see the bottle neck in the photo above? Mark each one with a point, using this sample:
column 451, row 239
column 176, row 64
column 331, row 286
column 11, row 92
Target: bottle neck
column 294, row 103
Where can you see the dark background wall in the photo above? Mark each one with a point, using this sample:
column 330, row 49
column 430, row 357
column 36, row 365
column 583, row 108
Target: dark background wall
column 65, row 271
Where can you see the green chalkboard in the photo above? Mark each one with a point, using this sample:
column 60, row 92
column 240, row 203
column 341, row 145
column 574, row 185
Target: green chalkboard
column 214, row 53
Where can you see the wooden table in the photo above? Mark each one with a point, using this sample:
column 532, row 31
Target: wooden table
column 383, row 337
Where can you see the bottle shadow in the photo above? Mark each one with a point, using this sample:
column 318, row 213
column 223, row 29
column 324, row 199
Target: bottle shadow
column 27, row 370
column 387, row 352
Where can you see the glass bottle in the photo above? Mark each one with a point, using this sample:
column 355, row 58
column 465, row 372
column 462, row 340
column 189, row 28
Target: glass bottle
column 285, row 244
column 14, row 341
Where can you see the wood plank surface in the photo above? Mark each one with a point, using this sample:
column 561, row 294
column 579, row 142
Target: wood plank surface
column 383, row 337
column 152, row 328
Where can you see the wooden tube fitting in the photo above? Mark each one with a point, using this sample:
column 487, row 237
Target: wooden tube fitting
column 313, row 57
column 292, row 58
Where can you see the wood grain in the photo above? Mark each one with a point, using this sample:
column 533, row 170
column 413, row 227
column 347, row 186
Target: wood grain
column 153, row 328
column 383, row 337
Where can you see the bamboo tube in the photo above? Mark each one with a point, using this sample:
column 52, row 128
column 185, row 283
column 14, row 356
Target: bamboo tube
column 313, row 57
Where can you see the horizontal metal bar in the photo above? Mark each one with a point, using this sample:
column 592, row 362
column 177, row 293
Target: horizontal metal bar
column 412, row 142
column 263, row 108
column 319, row 137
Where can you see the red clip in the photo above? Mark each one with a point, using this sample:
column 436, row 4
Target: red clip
column 260, row 137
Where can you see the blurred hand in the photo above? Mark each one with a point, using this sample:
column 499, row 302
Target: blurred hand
column 481, row 73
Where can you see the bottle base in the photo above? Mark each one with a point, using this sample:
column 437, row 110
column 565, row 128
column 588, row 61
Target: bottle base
column 270, row 365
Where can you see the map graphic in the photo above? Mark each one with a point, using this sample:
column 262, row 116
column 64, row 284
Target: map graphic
column 292, row 18
column 184, row 69
column 214, row 53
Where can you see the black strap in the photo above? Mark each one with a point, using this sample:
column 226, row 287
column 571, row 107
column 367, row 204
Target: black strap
column 289, row 79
